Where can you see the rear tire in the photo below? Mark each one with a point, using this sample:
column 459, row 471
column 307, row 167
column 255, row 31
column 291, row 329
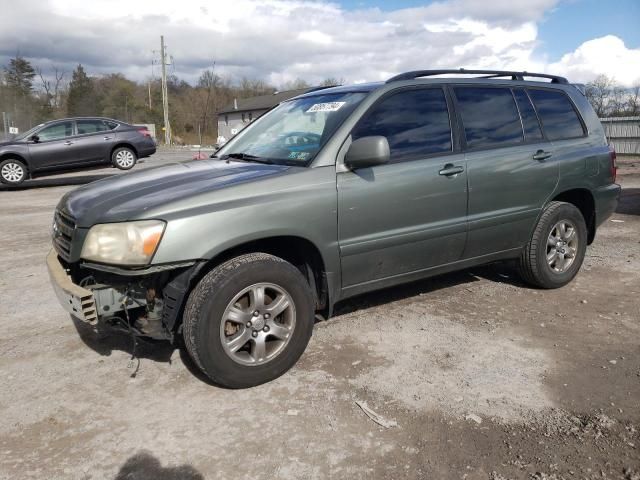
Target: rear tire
column 124, row 158
column 12, row 171
column 228, row 330
column 553, row 256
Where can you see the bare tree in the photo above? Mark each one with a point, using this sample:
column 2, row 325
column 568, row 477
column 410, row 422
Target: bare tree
column 633, row 101
column 599, row 94
column 52, row 88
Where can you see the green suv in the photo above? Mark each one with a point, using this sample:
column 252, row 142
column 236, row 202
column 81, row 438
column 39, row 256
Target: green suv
column 334, row 193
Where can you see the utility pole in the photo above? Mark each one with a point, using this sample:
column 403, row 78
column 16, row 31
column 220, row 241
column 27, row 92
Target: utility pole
column 5, row 126
column 165, row 98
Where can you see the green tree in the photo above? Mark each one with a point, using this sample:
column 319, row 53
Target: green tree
column 82, row 98
column 19, row 75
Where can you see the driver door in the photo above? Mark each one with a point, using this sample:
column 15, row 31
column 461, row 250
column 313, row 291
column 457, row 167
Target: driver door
column 409, row 215
column 54, row 147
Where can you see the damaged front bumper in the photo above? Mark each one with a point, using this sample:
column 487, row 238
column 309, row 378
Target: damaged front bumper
column 76, row 300
column 146, row 303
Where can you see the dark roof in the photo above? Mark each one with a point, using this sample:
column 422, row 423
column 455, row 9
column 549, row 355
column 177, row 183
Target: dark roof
column 263, row 102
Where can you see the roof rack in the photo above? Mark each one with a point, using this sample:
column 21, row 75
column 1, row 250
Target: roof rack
column 488, row 73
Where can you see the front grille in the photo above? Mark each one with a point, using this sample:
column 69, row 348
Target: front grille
column 64, row 226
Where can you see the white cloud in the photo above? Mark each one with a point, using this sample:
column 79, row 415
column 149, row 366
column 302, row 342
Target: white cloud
column 605, row 55
column 280, row 40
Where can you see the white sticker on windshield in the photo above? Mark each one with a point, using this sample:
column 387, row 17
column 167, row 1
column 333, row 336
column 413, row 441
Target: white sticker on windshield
column 326, row 107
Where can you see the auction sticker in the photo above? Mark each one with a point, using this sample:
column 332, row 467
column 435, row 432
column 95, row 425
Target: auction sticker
column 326, row 107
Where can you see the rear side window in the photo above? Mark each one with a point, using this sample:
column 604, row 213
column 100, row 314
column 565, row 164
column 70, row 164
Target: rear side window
column 528, row 114
column 559, row 118
column 415, row 122
column 90, row 126
column 489, row 115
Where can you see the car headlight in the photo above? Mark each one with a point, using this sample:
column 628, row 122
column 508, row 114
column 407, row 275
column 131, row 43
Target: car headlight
column 127, row 243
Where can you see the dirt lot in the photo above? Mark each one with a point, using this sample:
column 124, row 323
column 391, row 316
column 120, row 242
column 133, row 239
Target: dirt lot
column 485, row 378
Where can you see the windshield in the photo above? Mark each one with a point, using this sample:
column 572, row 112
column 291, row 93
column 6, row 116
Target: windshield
column 293, row 132
column 28, row 133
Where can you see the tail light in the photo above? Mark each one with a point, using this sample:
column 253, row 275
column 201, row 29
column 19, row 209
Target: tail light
column 614, row 166
column 144, row 131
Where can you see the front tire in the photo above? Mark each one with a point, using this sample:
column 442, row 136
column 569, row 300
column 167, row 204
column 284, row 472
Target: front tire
column 124, row 158
column 553, row 256
column 249, row 320
column 12, row 171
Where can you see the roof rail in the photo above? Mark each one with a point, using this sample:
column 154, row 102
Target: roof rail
column 323, row 87
column 488, row 73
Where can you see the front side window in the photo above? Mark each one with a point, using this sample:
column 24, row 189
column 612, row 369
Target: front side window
column 295, row 131
column 415, row 123
column 559, row 118
column 489, row 115
column 57, row 131
column 91, row 126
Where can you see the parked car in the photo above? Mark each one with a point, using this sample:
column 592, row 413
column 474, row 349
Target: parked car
column 72, row 143
column 332, row 194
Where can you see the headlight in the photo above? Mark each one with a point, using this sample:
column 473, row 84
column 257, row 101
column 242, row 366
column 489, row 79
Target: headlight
column 128, row 243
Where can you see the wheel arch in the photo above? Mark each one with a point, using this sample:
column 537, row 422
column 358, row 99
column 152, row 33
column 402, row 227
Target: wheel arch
column 15, row 156
column 299, row 251
column 583, row 200
column 123, row 144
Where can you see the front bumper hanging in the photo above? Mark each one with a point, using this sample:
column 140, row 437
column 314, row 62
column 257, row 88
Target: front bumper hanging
column 76, row 300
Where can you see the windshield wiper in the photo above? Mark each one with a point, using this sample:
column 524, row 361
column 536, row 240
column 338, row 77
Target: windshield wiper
column 246, row 157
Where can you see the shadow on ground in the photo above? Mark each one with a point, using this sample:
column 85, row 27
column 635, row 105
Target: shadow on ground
column 144, row 466
column 502, row 272
column 629, row 203
column 55, row 182
column 104, row 341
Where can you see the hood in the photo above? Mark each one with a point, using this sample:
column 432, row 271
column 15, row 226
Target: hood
column 129, row 196
column 10, row 142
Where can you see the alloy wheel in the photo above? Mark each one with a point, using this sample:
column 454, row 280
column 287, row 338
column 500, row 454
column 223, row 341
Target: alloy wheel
column 562, row 246
column 12, row 172
column 258, row 324
column 125, row 158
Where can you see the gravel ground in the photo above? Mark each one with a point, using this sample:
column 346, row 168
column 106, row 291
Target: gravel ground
column 483, row 377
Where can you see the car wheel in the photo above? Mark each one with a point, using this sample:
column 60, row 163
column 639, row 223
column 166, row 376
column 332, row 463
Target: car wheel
column 249, row 320
column 557, row 247
column 13, row 172
column 124, row 158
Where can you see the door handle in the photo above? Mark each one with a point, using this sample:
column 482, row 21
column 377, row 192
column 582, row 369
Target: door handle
column 541, row 155
column 451, row 169
column 68, row 142
column 107, row 138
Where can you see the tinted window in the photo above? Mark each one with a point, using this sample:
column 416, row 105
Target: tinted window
column 489, row 115
column 528, row 114
column 415, row 122
column 559, row 118
column 53, row 132
column 90, row 126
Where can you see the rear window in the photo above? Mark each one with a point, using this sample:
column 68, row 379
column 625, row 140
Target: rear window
column 559, row 117
column 528, row 114
column 489, row 116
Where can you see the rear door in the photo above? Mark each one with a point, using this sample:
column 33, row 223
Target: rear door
column 511, row 167
column 54, row 148
column 410, row 214
column 94, row 140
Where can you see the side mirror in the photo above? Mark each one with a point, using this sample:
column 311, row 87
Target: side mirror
column 34, row 138
column 367, row 152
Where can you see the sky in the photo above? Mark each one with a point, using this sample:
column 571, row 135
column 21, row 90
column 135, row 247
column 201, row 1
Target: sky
column 354, row 40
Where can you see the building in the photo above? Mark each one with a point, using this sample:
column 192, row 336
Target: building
column 623, row 133
column 238, row 114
